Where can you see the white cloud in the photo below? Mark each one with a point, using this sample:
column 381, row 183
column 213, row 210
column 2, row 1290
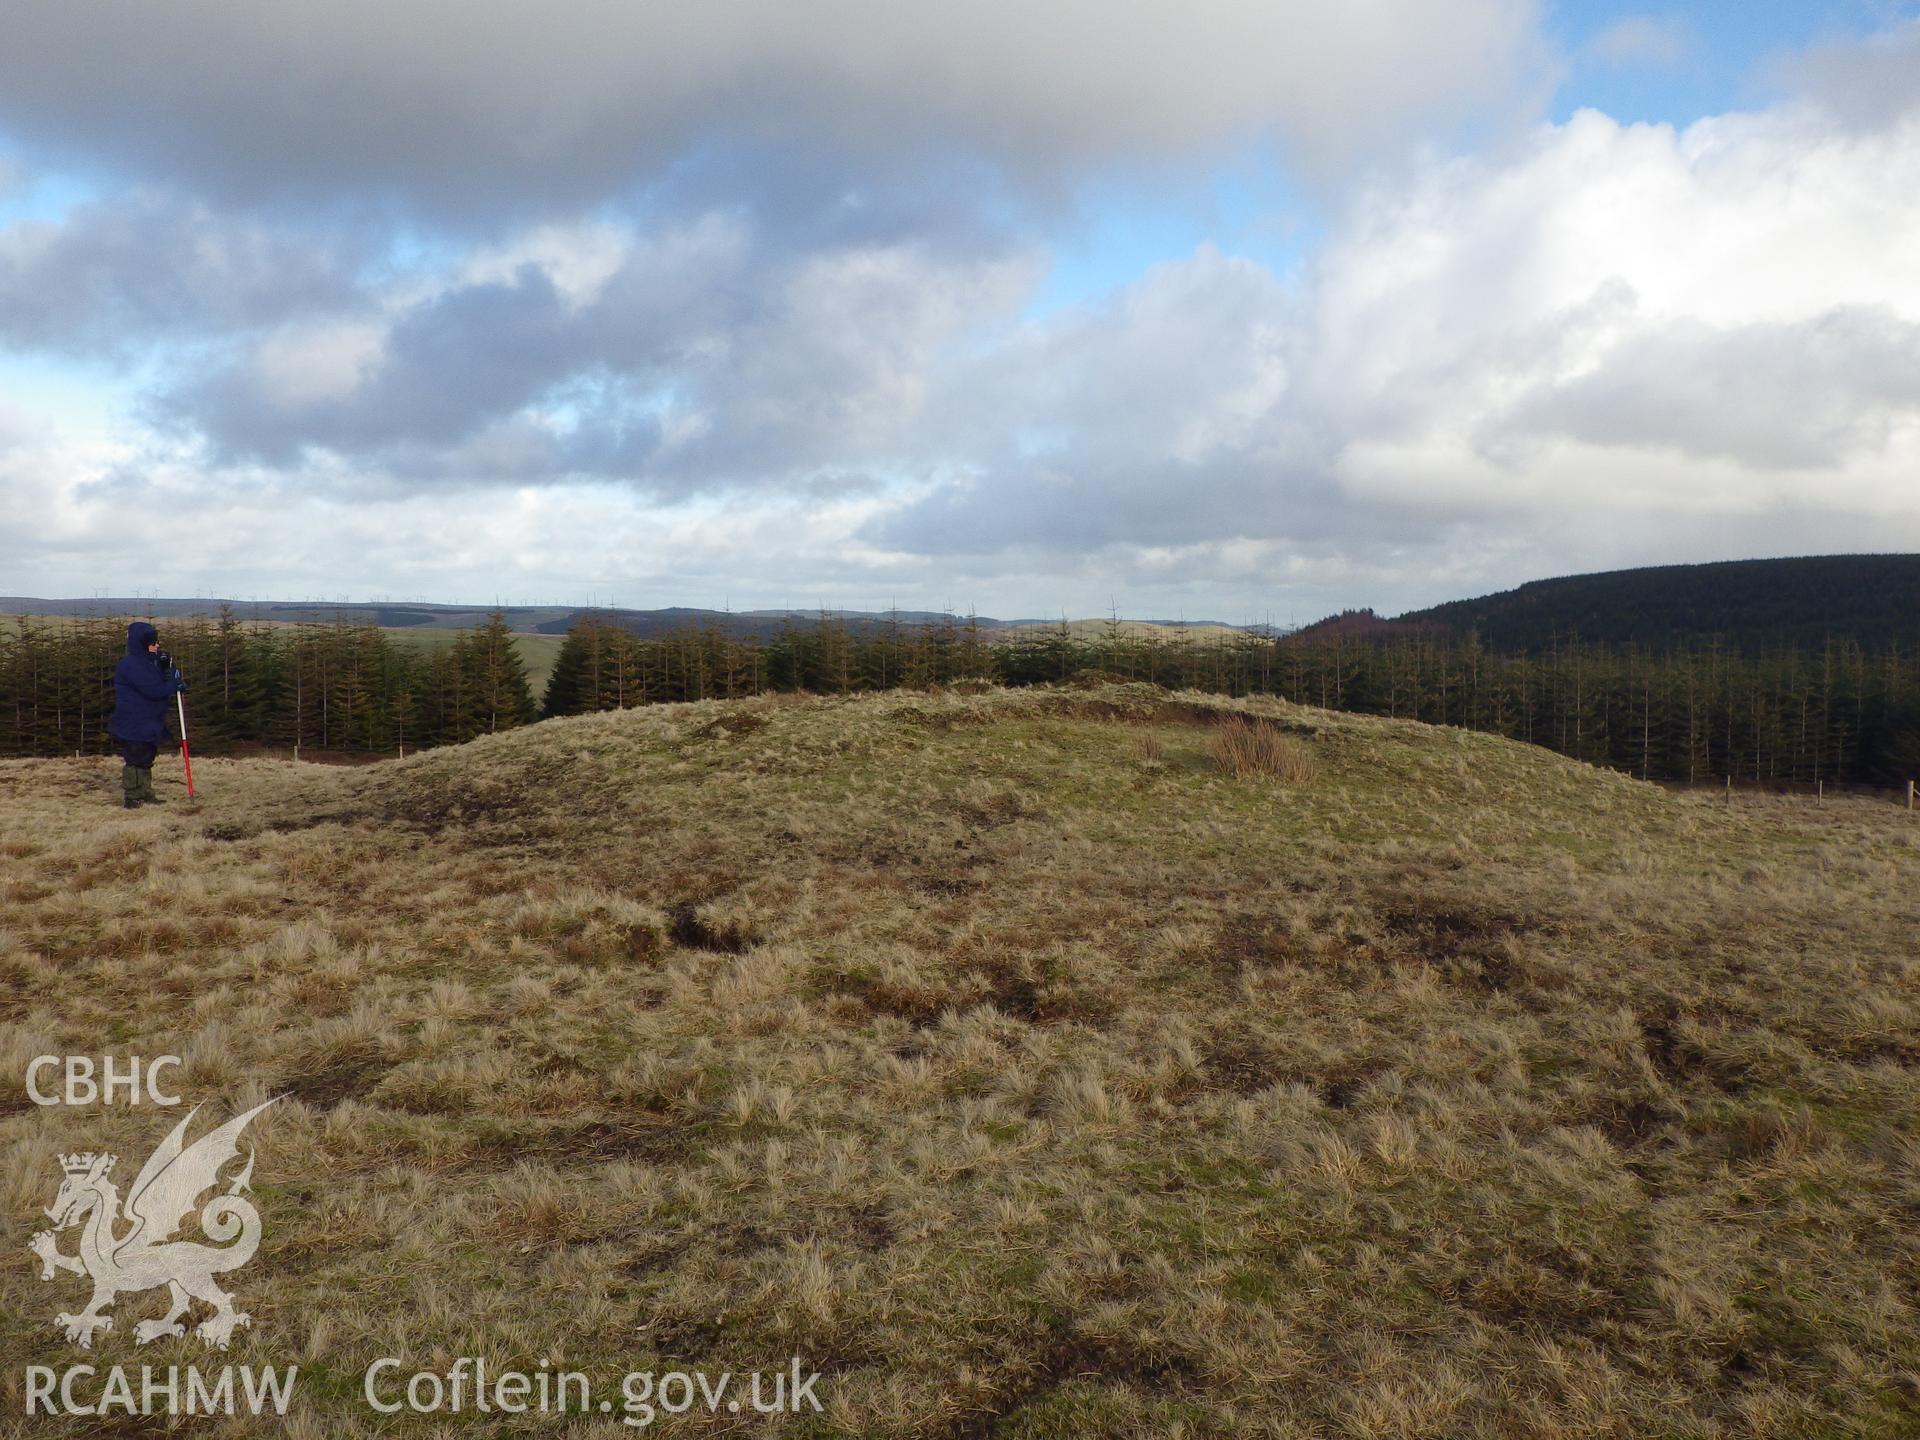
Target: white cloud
column 1867, row 81
column 113, row 275
column 703, row 355
column 579, row 259
column 312, row 364
column 1607, row 336
column 1812, row 394
column 1746, row 289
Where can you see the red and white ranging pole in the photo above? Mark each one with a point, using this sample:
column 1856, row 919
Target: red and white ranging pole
column 186, row 757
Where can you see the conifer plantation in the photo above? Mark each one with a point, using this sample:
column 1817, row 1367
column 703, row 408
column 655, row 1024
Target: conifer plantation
column 1839, row 713
column 344, row 688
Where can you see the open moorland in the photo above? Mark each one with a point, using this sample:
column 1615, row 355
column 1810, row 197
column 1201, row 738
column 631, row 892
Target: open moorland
column 1041, row 1063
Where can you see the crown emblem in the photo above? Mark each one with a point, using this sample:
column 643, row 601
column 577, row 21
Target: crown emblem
column 82, row 1162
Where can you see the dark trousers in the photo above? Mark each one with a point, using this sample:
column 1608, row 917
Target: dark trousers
column 139, row 753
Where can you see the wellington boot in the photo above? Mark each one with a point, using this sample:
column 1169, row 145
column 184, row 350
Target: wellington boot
column 147, row 797
column 130, row 786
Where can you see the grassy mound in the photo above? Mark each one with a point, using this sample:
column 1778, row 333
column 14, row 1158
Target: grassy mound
column 1023, row 1061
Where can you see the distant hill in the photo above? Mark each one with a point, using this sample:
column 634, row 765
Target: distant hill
column 546, row 619
column 526, row 619
column 1364, row 624
column 386, row 614
column 1748, row 605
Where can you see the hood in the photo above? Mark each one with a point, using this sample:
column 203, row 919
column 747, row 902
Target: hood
column 140, row 635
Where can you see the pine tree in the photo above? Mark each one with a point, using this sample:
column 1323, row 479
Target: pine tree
column 501, row 699
column 573, row 680
column 228, row 689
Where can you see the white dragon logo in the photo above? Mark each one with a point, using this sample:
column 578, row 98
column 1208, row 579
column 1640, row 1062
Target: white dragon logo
column 146, row 1256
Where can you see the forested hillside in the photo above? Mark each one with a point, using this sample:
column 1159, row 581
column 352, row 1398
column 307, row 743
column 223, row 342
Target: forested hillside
column 1749, row 605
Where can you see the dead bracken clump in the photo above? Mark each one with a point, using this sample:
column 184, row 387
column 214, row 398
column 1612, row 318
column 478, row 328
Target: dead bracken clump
column 1249, row 749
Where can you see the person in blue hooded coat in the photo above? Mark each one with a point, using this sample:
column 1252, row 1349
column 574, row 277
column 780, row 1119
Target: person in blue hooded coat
column 143, row 683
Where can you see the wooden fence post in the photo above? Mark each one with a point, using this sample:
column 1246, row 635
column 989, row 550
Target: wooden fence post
column 1909, row 794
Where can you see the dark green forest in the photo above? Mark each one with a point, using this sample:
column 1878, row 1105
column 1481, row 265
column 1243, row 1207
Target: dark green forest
column 1839, row 712
column 1753, row 606
column 344, row 688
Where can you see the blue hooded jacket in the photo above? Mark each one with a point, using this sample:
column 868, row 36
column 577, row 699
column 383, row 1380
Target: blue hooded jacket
column 141, row 690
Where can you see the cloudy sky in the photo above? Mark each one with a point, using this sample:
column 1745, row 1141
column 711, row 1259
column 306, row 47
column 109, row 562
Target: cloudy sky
column 1231, row 308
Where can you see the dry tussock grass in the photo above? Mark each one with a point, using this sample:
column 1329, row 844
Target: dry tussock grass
column 1255, row 749
column 1019, row 1066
